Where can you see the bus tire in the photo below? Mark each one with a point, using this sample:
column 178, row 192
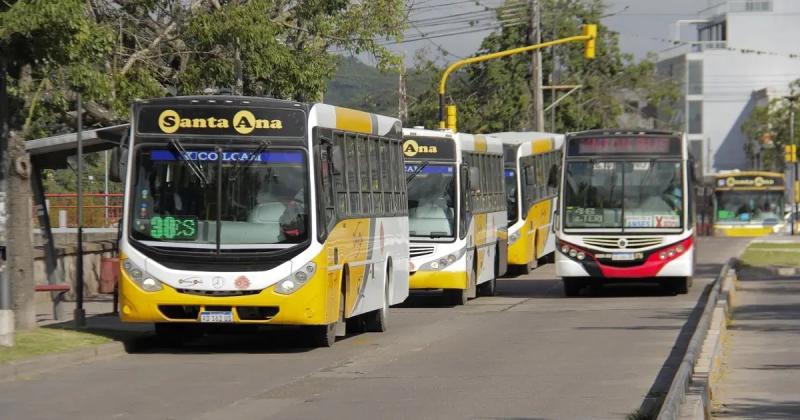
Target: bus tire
column 377, row 320
column 572, row 286
column 489, row 288
column 472, row 283
column 455, row 297
column 680, row 285
column 325, row 335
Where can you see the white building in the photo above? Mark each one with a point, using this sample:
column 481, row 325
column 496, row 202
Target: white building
column 742, row 49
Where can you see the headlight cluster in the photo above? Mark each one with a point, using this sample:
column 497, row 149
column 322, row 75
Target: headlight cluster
column 296, row 280
column 574, row 253
column 671, row 252
column 442, row 262
column 140, row 277
column 514, row 237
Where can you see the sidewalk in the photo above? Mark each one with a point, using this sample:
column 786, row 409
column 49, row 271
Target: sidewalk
column 761, row 368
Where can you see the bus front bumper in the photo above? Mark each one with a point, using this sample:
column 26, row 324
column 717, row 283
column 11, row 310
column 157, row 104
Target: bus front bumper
column 306, row 306
column 437, row 280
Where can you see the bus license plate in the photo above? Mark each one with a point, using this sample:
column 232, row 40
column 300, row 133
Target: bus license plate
column 623, row 256
column 216, row 316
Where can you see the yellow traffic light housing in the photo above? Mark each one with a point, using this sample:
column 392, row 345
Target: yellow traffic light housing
column 790, row 153
column 589, row 30
column 451, row 117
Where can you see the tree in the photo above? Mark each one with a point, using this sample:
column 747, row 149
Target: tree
column 116, row 51
column 767, row 129
column 495, row 95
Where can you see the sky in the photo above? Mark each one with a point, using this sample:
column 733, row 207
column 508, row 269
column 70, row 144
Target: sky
column 643, row 25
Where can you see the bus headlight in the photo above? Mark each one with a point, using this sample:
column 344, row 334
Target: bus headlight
column 296, row 280
column 147, row 282
column 442, row 262
column 514, row 237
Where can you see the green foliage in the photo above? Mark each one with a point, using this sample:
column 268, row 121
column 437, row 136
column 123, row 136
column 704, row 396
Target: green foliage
column 117, row 51
column 767, row 129
column 495, row 95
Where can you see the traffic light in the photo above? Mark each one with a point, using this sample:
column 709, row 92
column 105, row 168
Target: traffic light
column 589, row 30
column 451, row 117
column 790, row 152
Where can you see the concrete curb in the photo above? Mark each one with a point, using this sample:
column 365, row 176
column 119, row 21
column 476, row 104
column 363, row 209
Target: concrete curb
column 26, row 368
column 705, row 378
column 691, row 388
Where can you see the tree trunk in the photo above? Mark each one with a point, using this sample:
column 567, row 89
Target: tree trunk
column 19, row 236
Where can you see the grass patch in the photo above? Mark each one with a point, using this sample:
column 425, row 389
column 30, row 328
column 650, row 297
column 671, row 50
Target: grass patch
column 770, row 254
column 775, row 245
column 40, row 341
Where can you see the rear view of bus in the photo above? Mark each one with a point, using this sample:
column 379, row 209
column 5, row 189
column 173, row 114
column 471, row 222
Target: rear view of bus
column 456, row 207
column 626, row 212
column 259, row 211
column 531, row 173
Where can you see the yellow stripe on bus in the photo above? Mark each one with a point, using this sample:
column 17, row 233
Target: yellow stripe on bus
column 480, row 143
column 352, row 120
column 541, row 145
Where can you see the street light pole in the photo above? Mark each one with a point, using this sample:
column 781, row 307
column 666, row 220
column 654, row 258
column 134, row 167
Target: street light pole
column 80, row 313
column 6, row 311
column 792, row 100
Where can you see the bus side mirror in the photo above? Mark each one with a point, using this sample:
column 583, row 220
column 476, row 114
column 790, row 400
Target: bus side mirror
column 552, row 177
column 556, row 222
column 474, row 179
column 117, row 168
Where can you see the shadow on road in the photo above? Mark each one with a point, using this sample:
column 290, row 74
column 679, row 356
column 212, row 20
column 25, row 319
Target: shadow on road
column 760, row 408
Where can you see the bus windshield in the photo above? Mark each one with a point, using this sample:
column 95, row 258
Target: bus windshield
column 743, row 207
column 258, row 197
column 646, row 194
column 510, row 176
column 431, row 200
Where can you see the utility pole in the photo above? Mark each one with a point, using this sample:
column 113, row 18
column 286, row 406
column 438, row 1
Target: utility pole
column 6, row 312
column 792, row 100
column 535, row 37
column 402, row 104
column 79, row 313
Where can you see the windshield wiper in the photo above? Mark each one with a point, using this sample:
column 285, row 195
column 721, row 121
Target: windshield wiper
column 195, row 168
column 419, row 169
column 263, row 145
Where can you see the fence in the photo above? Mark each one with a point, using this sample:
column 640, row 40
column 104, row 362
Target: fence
column 99, row 209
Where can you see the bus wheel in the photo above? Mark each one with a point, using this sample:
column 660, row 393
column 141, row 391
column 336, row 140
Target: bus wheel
column 472, row 283
column 325, row 335
column 377, row 321
column 680, row 285
column 489, row 288
column 572, row 286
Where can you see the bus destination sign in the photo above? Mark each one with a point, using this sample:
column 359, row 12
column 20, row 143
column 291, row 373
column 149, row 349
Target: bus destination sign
column 220, row 121
column 429, row 148
column 624, row 145
column 749, row 181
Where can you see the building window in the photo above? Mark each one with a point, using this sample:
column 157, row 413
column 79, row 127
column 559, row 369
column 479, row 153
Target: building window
column 695, row 120
column 695, row 77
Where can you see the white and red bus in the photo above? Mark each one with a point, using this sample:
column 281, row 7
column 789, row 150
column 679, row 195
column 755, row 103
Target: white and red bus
column 626, row 212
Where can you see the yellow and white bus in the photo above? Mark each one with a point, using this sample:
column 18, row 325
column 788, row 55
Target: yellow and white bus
column 242, row 210
column 532, row 168
column 748, row 203
column 457, row 216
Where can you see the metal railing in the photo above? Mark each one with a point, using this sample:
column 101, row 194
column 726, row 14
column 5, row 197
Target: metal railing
column 737, row 6
column 692, row 47
column 99, row 210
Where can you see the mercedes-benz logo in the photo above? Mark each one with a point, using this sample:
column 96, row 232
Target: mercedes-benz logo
column 622, row 242
column 218, row 282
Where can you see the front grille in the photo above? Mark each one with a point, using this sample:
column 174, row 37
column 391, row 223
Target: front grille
column 218, row 293
column 613, row 242
column 179, row 311
column 256, row 313
column 420, row 250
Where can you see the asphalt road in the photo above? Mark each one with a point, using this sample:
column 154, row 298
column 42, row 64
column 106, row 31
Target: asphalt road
column 526, row 353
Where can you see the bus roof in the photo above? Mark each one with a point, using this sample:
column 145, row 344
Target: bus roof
column 623, row 132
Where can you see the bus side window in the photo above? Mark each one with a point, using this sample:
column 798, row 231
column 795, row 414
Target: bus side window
column 375, row 176
column 338, row 170
column 363, row 174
